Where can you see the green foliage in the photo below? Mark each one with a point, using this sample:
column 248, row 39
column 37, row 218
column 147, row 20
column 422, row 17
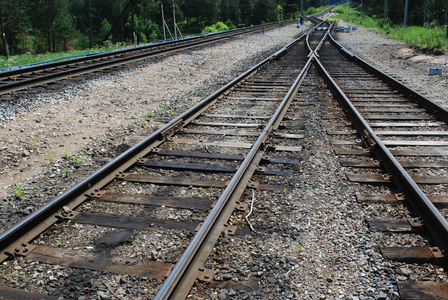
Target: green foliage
column 220, row 26
column 77, row 160
column 51, row 26
column 230, row 24
column 162, row 109
column 18, row 191
column 67, row 171
column 311, row 11
column 50, row 156
column 29, row 58
column 430, row 37
column 424, row 37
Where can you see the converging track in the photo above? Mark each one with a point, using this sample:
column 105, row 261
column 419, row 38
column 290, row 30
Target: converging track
column 217, row 145
column 183, row 195
column 24, row 78
column 406, row 135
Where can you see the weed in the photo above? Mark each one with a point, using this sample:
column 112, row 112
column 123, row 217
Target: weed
column 66, row 171
column 33, row 143
column 60, row 243
column 299, row 244
column 285, row 190
column 18, row 191
column 25, row 276
column 162, row 109
column 77, row 160
column 137, row 239
column 120, row 132
column 65, row 154
column 50, row 156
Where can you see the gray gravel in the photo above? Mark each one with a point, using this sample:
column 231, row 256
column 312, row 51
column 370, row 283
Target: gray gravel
column 311, row 241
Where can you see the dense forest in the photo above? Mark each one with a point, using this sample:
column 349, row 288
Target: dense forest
column 420, row 12
column 39, row 26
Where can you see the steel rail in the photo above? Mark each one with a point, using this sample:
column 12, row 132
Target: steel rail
column 97, row 56
column 14, row 240
column 433, row 219
column 184, row 274
column 95, row 66
column 433, row 108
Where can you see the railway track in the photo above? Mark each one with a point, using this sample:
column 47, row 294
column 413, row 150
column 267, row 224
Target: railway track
column 210, row 154
column 398, row 139
column 28, row 77
column 184, row 197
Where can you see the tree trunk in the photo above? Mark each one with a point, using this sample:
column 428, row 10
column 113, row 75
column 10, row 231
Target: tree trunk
column 5, row 42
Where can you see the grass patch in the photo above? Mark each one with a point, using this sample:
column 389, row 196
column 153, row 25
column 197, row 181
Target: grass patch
column 431, row 37
column 29, row 58
column 424, row 37
column 312, row 10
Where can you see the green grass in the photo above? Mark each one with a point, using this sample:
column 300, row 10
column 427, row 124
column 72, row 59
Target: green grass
column 29, row 58
column 313, row 10
column 424, row 37
column 414, row 35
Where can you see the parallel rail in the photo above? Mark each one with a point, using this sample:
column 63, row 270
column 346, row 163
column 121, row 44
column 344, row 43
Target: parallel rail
column 394, row 112
column 22, row 78
column 16, row 240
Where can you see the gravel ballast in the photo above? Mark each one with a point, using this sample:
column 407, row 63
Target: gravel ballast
column 317, row 246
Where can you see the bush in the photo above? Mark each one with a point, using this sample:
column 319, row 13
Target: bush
column 220, row 26
column 230, row 24
column 311, row 11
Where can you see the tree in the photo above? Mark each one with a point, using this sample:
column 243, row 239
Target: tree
column 264, row 11
column 16, row 24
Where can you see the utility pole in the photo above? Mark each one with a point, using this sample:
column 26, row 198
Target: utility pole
column 5, row 42
column 301, row 8
column 90, row 25
column 385, row 11
column 134, row 37
column 406, row 7
column 163, row 21
column 174, row 20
